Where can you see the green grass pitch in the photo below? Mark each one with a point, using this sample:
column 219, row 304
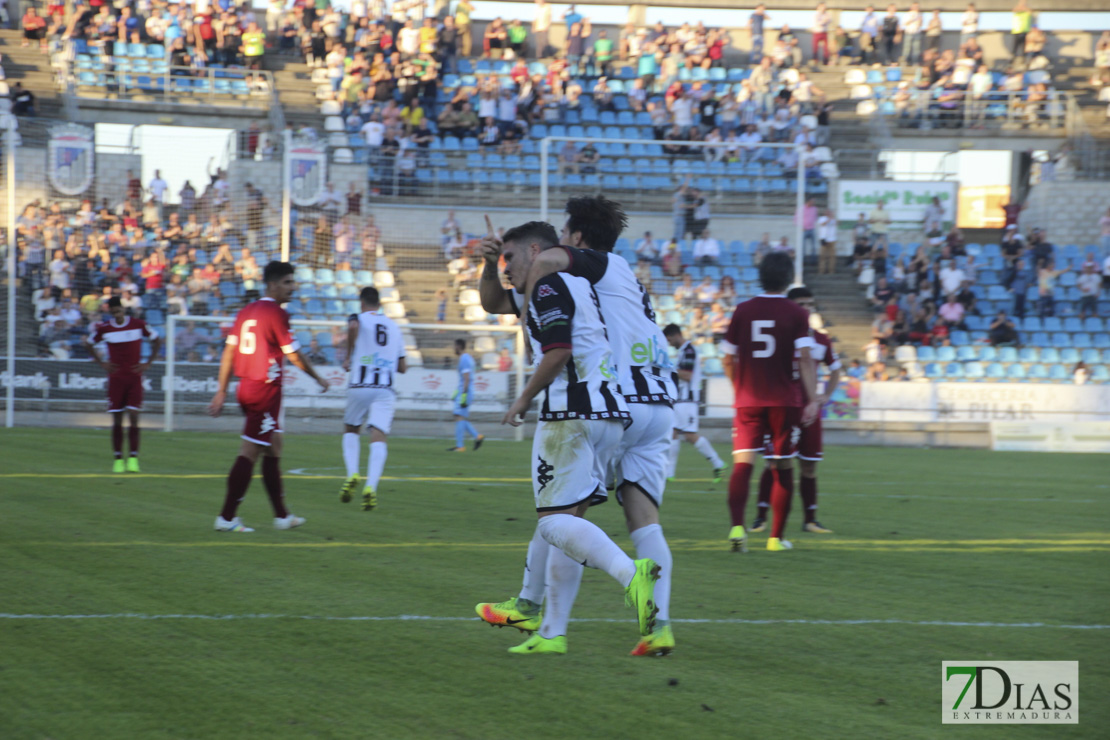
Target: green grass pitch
column 922, row 536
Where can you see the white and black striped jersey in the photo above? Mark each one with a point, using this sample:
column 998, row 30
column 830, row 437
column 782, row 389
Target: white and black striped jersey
column 689, row 391
column 378, row 348
column 644, row 366
column 564, row 314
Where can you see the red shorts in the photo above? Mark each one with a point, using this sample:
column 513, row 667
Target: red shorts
column 809, row 443
column 754, row 425
column 125, row 392
column 261, row 404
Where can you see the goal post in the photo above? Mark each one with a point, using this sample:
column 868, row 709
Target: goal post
column 425, row 389
column 676, row 175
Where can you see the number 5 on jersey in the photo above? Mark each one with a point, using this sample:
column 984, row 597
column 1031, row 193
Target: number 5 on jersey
column 760, row 336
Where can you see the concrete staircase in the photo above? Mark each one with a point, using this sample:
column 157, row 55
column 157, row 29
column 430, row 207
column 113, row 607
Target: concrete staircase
column 31, row 68
column 417, row 282
column 297, row 94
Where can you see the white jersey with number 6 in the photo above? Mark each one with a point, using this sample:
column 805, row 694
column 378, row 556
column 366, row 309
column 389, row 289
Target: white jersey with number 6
column 378, row 348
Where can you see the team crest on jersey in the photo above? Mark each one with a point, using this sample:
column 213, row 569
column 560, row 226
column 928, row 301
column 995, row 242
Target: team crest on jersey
column 543, row 471
column 545, row 291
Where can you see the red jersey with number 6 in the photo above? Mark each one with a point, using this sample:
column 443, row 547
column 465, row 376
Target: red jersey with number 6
column 764, row 335
column 262, row 338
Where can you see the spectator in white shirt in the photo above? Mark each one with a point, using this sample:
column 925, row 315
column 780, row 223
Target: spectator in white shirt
column 969, row 24
column 707, row 292
column 647, row 250
column 373, row 131
column 1089, row 283
column 750, row 141
column 827, row 235
column 707, row 250
column 951, row 277
column 683, row 109
column 911, row 31
column 61, row 272
column 408, row 41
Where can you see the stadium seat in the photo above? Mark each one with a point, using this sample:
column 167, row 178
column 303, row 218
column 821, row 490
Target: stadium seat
column 474, row 313
column 988, row 354
column 713, row 366
column 1041, row 339
column 995, row 370
column 1100, row 374
column 327, row 291
column 974, row 371
column 966, row 353
column 1052, row 323
column 933, row 371
column 1031, row 323
column 1093, row 324
column 954, row 370
column 1061, row 339
column 1081, row 340
column 1016, row 372
column 1059, row 373
column 1073, row 324
column 926, row 354
column 1007, row 354
column 946, row 354
column 1029, row 354
column 394, row 310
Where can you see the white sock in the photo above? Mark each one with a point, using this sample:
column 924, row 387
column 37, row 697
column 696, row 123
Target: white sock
column 650, row 543
column 672, row 457
column 535, row 569
column 376, row 465
column 707, row 451
column 586, row 543
column 350, row 453
column 564, row 576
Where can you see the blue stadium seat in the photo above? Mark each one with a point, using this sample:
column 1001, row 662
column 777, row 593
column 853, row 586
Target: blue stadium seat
column 926, row 353
column 313, row 307
column 1073, row 324
column 349, row 292
column 1049, row 355
column 1052, row 323
column 954, row 370
column 1102, row 340
column 1031, row 323
column 1069, row 355
column 1041, row 339
column 1007, row 354
column 1081, row 340
column 328, row 291
column 932, row 371
column 324, row 276
column 1038, row 372
column 974, row 371
column 988, row 354
column 1016, row 372
column 1029, row 354
column 1061, row 339
column 945, row 354
column 1093, row 324
column 713, row 366
column 959, row 338
column 1059, row 372
column 967, row 353
column 995, row 370
column 1100, row 374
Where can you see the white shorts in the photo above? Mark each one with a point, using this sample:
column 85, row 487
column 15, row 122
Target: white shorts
column 642, row 458
column 370, row 406
column 570, row 459
column 686, row 417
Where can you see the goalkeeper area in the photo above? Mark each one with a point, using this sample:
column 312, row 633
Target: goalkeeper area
column 126, row 616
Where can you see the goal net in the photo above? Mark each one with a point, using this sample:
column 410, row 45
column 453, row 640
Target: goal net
column 194, row 345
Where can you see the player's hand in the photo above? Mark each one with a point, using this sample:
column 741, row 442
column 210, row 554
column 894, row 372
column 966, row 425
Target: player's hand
column 109, row 367
column 142, row 367
column 514, row 417
column 810, row 413
column 490, row 244
column 324, row 385
column 216, row 405
column 464, row 400
column 822, row 399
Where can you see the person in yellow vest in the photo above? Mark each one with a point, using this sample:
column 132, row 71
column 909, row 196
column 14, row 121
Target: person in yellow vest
column 462, row 21
column 1022, row 22
column 254, row 46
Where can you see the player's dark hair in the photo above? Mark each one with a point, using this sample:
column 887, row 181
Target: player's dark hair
column 598, row 219
column 114, row 302
column 460, row 343
column 776, row 271
column 801, row 292
column 370, row 296
column 540, row 232
column 275, row 270
column 671, row 329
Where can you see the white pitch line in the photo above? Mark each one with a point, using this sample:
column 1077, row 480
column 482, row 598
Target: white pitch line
column 422, row 618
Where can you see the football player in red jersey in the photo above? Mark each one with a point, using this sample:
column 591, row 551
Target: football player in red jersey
column 124, row 336
column 767, row 356
column 256, row 347
column 809, row 444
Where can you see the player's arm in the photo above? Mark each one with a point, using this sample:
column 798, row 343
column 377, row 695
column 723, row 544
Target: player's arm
column 90, row 342
column 553, row 313
column 495, row 298
column 831, row 384
column 808, row 370
column 352, row 336
column 155, row 348
column 302, row 363
column 686, row 365
column 223, row 379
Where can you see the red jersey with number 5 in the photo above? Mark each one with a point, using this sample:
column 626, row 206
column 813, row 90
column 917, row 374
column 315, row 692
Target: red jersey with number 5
column 262, row 338
column 764, row 335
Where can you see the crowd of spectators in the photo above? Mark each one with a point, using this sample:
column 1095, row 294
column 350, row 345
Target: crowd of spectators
column 198, row 257
column 926, row 293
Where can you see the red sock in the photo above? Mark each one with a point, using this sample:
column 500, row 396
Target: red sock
column 271, row 478
column 133, row 439
column 766, row 481
column 738, row 492
column 780, row 499
column 809, row 498
column 117, row 439
column 238, row 480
